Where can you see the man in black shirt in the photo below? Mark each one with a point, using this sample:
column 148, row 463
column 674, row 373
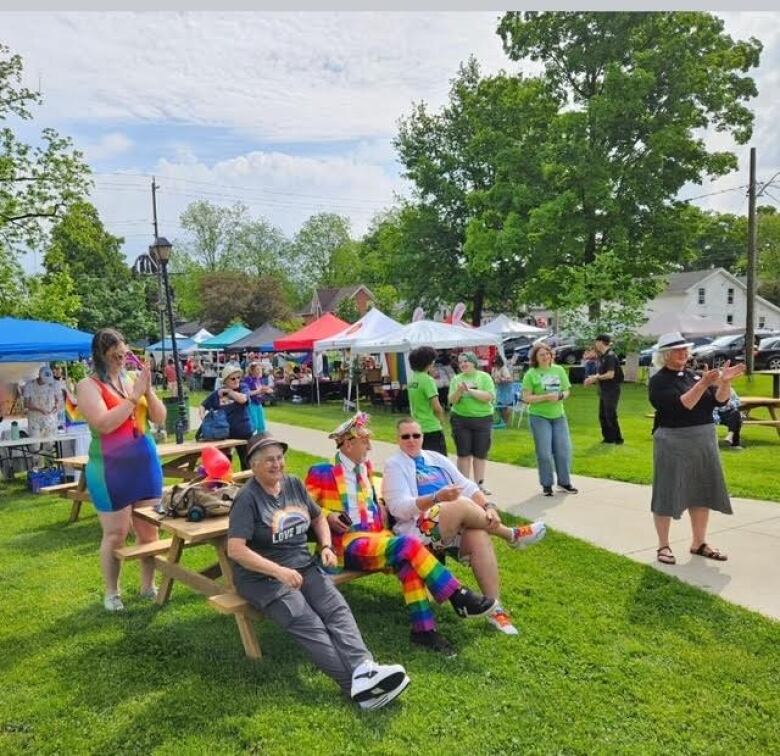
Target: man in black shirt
column 608, row 377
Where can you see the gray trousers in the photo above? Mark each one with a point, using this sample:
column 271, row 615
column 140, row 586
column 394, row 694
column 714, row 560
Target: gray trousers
column 318, row 618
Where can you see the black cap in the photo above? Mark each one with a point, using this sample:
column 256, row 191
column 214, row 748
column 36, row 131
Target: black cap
column 604, row 338
column 260, row 441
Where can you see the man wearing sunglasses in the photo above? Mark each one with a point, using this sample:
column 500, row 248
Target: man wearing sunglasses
column 430, row 499
column 362, row 541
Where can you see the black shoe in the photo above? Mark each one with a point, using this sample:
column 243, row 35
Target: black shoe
column 434, row 641
column 468, row 604
column 620, row 442
column 569, row 489
column 606, row 441
column 547, row 490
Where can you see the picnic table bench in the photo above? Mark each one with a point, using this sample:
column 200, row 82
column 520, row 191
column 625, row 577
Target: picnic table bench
column 748, row 404
column 222, row 595
column 179, row 461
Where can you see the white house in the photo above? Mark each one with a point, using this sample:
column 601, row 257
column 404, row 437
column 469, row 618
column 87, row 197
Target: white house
column 715, row 294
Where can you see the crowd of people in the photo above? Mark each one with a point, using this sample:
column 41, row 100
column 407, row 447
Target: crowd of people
column 423, row 510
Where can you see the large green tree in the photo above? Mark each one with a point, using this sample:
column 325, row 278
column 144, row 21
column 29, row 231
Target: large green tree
column 639, row 92
column 476, row 173
column 323, row 253
column 37, row 182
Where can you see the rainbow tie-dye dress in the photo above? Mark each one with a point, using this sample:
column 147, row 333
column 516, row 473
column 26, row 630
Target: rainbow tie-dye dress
column 123, row 465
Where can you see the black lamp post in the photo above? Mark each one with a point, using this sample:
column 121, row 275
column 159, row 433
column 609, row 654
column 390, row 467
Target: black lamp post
column 162, row 251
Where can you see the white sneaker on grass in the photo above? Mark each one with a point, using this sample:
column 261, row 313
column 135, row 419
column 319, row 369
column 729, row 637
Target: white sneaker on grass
column 501, row 620
column 149, row 593
column 113, row 603
column 371, row 680
column 526, row 535
column 377, row 703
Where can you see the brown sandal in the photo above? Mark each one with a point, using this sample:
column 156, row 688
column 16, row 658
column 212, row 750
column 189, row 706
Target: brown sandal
column 664, row 555
column 709, row 553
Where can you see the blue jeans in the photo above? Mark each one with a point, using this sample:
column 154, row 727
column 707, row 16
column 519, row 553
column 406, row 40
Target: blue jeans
column 553, row 449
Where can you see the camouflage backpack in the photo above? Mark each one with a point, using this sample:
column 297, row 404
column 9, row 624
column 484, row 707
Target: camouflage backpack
column 199, row 500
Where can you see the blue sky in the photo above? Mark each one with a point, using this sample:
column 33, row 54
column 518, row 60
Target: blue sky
column 293, row 113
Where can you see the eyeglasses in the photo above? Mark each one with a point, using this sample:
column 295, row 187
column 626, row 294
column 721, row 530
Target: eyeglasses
column 232, row 378
column 407, row 436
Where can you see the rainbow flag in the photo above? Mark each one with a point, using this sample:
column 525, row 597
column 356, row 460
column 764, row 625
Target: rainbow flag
column 72, row 414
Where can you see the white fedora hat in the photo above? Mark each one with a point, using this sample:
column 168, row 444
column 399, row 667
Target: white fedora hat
column 672, row 340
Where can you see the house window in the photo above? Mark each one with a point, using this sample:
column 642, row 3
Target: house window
column 729, row 296
column 730, row 319
column 701, row 295
column 762, row 322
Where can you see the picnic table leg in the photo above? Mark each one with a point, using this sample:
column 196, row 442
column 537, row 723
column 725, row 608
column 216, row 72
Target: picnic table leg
column 246, row 628
column 173, row 557
column 75, row 507
column 773, row 414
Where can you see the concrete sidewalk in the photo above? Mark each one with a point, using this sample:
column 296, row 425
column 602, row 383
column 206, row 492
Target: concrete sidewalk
column 616, row 516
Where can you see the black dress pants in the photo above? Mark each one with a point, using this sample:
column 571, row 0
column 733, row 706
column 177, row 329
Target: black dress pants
column 609, row 396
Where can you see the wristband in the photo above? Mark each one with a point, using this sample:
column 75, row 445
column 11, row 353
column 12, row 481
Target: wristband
column 327, row 546
column 560, row 396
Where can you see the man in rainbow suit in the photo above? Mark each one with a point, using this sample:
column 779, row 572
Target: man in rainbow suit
column 363, row 541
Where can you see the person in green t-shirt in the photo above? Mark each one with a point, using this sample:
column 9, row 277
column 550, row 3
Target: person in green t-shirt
column 424, row 401
column 545, row 387
column 472, row 396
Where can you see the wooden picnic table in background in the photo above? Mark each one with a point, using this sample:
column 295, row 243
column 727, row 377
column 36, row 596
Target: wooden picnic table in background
column 748, row 404
column 775, row 380
column 179, row 461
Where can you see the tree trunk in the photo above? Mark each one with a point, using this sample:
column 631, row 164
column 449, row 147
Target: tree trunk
column 477, row 304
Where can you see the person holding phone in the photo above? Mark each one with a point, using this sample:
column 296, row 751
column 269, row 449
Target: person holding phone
column 363, row 542
column 233, row 397
column 431, row 499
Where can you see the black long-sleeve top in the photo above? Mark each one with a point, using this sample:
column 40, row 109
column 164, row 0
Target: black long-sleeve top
column 665, row 389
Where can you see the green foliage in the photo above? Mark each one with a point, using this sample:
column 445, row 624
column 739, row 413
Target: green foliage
column 348, row 310
column 721, row 239
column 37, row 182
column 323, row 254
column 212, row 234
column 230, row 295
column 638, row 88
column 52, row 297
column 12, row 291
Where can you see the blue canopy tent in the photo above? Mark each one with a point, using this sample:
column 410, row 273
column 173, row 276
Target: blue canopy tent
column 225, row 339
column 39, row 341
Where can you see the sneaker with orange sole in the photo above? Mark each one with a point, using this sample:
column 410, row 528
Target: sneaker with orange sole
column 501, row 620
column 526, row 535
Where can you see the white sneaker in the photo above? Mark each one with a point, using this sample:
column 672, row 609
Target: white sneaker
column 377, row 703
column 149, row 593
column 371, row 680
column 526, row 535
column 113, row 603
column 501, row 620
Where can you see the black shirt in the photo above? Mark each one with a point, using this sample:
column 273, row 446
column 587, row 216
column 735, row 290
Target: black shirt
column 237, row 414
column 665, row 389
column 609, row 361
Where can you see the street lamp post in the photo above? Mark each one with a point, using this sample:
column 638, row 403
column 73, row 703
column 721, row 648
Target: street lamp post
column 162, row 249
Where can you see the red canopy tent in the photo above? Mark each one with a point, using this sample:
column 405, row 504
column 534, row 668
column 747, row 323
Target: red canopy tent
column 303, row 341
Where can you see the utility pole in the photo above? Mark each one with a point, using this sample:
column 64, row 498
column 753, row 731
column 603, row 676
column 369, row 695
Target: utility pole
column 750, row 316
column 160, row 294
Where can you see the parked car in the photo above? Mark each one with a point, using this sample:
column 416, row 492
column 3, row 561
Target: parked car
column 569, row 354
column 725, row 348
column 646, row 355
column 767, row 356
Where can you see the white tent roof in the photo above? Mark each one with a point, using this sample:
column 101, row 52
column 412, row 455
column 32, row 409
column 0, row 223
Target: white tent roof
column 373, row 325
column 428, row 333
column 202, row 335
column 505, row 326
column 688, row 324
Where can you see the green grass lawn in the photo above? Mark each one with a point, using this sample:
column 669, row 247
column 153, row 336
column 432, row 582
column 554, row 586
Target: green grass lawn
column 754, row 473
column 613, row 657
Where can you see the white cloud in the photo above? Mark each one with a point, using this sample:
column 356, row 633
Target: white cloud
column 108, row 146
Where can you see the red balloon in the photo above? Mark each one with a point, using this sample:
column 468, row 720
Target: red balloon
column 216, row 464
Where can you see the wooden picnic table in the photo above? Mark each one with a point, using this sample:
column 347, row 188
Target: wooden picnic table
column 775, row 380
column 747, row 404
column 179, row 461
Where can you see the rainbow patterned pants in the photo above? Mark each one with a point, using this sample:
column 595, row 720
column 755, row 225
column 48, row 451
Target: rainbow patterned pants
column 416, row 567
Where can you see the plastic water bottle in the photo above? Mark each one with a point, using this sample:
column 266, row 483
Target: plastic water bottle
column 15, row 435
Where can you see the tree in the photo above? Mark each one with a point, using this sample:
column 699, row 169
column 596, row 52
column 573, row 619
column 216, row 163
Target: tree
column 37, row 182
column 212, row 234
column 638, row 90
column 230, row 295
column 476, row 173
column 348, row 310
column 323, row 253
column 83, row 252
column 720, row 241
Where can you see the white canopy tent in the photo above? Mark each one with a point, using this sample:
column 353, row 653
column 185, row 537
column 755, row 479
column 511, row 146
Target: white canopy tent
column 374, row 324
column 505, row 327
column 202, row 335
column 428, row 333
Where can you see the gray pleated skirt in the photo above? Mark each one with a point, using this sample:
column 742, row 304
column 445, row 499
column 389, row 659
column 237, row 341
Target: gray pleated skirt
column 687, row 471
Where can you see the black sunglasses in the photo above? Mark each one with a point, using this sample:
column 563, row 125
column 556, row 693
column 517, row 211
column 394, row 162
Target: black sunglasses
column 407, row 436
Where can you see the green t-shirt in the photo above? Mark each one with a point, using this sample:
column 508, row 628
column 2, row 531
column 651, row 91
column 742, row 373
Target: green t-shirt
column 468, row 406
column 422, row 388
column 545, row 381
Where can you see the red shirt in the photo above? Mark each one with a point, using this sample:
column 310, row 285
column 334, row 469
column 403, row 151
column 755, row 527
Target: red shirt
column 170, row 373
